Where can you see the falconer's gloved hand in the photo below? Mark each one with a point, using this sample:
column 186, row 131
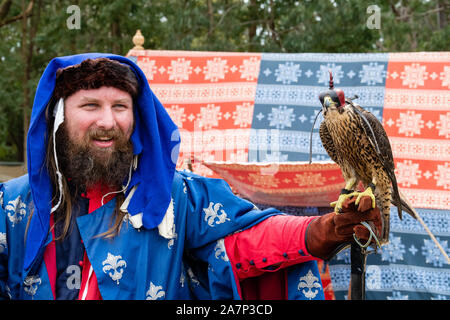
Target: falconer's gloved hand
column 329, row 233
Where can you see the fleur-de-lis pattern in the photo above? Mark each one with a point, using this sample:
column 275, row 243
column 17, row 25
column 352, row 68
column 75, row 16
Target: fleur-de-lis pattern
column 3, row 244
column 182, row 279
column 114, row 266
column 31, row 284
column 171, row 242
column 16, row 210
column 219, row 250
column 309, row 285
column 212, row 215
column 155, row 292
column 192, row 278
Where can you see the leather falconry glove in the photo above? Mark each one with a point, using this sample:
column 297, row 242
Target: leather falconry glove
column 329, row 233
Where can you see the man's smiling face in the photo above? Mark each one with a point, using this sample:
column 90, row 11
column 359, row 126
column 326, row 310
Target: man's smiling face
column 99, row 119
column 93, row 143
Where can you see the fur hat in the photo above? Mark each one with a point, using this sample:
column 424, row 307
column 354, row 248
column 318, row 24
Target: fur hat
column 93, row 74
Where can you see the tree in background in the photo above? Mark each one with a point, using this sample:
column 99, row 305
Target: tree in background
column 32, row 32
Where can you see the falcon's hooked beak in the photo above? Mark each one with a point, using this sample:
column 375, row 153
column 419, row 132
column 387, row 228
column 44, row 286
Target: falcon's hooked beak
column 329, row 103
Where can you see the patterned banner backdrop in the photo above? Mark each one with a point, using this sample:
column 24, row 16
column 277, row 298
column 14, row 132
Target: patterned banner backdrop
column 250, row 107
column 287, row 102
column 243, row 114
column 417, row 121
column 210, row 96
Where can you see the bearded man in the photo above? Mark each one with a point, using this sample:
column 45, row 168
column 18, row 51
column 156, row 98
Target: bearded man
column 105, row 215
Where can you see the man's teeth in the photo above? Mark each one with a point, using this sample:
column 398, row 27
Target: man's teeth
column 103, row 138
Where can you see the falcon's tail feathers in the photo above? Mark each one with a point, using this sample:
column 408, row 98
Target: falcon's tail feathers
column 402, row 204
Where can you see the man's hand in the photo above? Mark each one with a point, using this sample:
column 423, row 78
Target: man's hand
column 328, row 233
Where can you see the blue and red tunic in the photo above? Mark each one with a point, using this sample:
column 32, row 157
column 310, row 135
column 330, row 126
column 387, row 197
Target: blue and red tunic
column 222, row 247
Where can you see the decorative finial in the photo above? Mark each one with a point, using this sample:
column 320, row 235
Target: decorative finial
column 138, row 40
column 331, row 80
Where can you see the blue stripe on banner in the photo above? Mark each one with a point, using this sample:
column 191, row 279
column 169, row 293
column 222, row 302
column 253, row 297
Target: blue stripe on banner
column 409, row 267
column 286, row 100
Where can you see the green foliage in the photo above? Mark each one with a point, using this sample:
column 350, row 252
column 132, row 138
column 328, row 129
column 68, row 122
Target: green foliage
column 207, row 25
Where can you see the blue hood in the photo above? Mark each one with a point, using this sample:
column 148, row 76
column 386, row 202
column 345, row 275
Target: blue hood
column 155, row 139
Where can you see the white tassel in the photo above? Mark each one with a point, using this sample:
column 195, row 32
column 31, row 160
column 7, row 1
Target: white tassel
column 128, row 182
column 58, row 112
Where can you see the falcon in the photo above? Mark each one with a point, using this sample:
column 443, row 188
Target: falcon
column 356, row 140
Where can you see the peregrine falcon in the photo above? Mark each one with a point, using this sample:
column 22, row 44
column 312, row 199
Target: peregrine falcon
column 357, row 142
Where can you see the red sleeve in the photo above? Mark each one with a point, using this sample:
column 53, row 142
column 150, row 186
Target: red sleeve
column 273, row 244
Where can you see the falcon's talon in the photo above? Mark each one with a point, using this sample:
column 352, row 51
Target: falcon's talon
column 367, row 192
column 342, row 197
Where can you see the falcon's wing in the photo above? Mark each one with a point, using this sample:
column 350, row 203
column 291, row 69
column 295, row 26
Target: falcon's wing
column 378, row 138
column 327, row 142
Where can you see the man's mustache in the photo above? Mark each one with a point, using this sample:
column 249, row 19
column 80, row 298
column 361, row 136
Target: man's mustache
column 108, row 134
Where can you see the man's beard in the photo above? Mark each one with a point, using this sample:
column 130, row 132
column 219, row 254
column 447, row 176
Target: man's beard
column 86, row 166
